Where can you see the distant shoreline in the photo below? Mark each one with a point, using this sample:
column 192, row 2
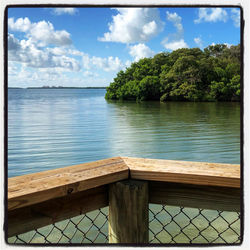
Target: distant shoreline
column 58, row 88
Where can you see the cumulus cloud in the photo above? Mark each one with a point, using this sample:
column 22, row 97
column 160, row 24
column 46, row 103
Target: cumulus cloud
column 235, row 15
column 198, row 41
column 42, row 54
column 176, row 40
column 140, row 51
column 211, row 15
column 42, row 32
column 21, row 24
column 132, row 25
column 62, row 11
column 107, row 64
column 59, row 51
column 75, row 52
column 25, row 51
column 176, row 20
column 174, row 45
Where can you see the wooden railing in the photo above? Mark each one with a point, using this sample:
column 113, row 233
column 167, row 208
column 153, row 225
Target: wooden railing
column 40, row 199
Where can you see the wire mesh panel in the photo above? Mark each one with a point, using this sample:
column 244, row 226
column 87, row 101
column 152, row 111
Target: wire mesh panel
column 87, row 228
column 168, row 224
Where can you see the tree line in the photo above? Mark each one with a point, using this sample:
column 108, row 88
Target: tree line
column 212, row 74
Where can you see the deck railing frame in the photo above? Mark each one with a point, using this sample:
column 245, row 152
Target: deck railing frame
column 40, row 199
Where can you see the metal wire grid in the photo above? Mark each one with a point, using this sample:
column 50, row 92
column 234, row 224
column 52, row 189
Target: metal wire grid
column 167, row 224
column 87, row 228
column 190, row 225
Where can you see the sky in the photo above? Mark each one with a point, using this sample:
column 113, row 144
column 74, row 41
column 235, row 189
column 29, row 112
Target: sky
column 87, row 47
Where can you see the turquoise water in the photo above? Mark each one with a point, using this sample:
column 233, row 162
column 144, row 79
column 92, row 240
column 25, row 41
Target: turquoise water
column 53, row 128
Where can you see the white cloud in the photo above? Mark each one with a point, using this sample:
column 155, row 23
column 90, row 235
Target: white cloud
column 53, row 71
column 198, row 41
column 176, row 20
column 26, row 52
column 43, row 57
column 61, row 11
column 107, row 64
column 65, row 51
column 58, row 51
column 211, row 15
column 176, row 40
column 177, row 44
column 21, row 24
column 140, row 51
column 75, row 52
column 89, row 74
column 53, row 77
column 42, row 32
column 235, row 15
column 86, row 61
column 132, row 25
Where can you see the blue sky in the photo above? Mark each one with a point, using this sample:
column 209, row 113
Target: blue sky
column 82, row 47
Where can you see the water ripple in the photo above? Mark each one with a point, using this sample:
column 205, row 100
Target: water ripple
column 54, row 128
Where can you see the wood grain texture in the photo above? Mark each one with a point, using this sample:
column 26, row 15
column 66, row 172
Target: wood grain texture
column 40, row 199
column 200, row 173
column 35, row 188
column 128, row 212
column 195, row 196
column 25, row 219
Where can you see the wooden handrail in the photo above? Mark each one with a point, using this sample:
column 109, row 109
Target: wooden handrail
column 35, row 188
column 30, row 189
column 198, row 173
column 40, row 199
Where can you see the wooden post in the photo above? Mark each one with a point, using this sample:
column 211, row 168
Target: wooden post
column 128, row 212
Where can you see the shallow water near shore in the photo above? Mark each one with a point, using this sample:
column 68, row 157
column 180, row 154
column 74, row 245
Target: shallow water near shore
column 54, row 128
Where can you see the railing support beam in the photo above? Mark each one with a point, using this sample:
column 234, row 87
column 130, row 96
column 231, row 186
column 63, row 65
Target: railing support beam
column 128, row 212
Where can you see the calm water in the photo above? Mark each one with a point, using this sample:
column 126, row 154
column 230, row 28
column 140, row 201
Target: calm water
column 53, row 128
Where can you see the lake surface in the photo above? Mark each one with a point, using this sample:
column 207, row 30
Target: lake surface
column 54, row 128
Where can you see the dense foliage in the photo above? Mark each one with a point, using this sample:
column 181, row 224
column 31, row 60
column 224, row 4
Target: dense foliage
column 184, row 74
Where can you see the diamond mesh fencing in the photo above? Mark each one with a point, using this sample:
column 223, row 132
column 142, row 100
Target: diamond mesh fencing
column 167, row 224
column 176, row 225
column 91, row 227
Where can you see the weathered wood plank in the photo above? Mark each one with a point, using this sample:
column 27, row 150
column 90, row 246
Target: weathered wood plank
column 200, row 173
column 128, row 212
column 196, row 196
column 35, row 188
column 25, row 219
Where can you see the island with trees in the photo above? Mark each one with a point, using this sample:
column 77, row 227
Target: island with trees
column 212, row 74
